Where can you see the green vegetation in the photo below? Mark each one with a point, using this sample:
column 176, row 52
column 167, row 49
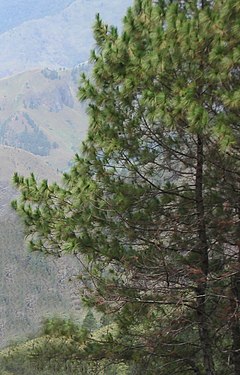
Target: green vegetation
column 89, row 321
column 56, row 351
column 151, row 206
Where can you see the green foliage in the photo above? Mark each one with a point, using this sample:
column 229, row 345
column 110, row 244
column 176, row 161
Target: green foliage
column 59, row 349
column 151, row 206
column 89, row 322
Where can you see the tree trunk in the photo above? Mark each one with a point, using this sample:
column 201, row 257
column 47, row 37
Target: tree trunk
column 202, row 318
column 235, row 326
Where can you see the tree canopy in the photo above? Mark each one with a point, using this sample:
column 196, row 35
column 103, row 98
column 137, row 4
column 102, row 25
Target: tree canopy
column 151, row 205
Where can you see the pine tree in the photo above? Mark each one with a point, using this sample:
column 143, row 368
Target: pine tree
column 89, row 321
column 151, row 204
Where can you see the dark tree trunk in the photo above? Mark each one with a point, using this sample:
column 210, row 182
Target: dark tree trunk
column 235, row 326
column 202, row 317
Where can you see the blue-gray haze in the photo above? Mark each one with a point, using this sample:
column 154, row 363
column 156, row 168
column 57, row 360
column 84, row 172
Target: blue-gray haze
column 56, row 33
column 14, row 12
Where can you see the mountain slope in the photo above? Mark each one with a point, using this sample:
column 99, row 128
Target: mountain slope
column 39, row 112
column 41, row 126
column 14, row 12
column 32, row 286
column 34, row 103
column 60, row 40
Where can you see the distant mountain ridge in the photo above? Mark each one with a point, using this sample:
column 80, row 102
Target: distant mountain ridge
column 60, row 40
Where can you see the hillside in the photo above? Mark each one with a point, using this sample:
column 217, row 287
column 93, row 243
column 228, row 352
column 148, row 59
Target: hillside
column 41, row 124
column 32, row 287
column 60, row 40
column 12, row 160
column 39, row 112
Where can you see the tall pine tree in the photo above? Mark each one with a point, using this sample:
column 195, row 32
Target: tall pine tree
column 151, row 205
